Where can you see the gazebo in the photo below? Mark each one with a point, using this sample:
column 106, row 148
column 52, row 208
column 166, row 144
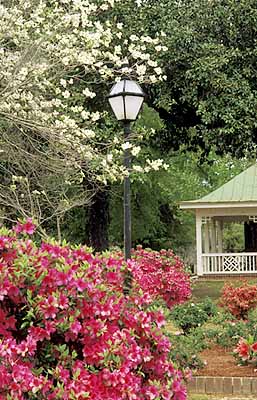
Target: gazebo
column 235, row 201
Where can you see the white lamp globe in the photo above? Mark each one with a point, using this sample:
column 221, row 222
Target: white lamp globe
column 126, row 98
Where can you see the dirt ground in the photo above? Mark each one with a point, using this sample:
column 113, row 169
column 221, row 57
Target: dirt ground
column 220, row 362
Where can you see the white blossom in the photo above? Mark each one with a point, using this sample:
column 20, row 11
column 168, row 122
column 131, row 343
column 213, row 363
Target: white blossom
column 152, row 63
column 153, row 78
column 141, row 70
column 133, row 38
column 95, row 116
column 137, row 168
column 158, row 48
column 66, row 94
column 88, row 93
column 63, row 51
column 158, row 70
column 63, row 82
column 88, row 133
column 126, row 146
column 85, row 114
column 135, row 151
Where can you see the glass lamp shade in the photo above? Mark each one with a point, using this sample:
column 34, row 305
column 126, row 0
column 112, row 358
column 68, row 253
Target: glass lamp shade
column 126, row 98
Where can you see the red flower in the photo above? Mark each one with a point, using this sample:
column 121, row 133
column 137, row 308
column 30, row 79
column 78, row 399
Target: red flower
column 254, row 347
column 243, row 349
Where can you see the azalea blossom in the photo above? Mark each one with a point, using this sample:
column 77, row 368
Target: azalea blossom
column 67, row 330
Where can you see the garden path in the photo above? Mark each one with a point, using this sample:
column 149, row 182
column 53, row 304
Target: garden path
column 217, row 356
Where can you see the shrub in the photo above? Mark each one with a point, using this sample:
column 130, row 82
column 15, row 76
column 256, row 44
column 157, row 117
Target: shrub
column 252, row 322
column 185, row 349
column 68, row 332
column 226, row 330
column 209, row 307
column 230, row 333
column 189, row 315
column 161, row 274
column 239, row 300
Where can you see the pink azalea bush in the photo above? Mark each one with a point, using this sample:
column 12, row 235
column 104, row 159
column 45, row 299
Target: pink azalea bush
column 161, row 274
column 68, row 332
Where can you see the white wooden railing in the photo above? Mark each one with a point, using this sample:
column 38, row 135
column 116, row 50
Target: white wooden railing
column 229, row 263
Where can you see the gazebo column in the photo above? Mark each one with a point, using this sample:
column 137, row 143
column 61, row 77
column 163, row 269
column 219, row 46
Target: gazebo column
column 220, row 236
column 199, row 244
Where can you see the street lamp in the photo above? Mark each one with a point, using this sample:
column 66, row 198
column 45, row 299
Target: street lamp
column 126, row 98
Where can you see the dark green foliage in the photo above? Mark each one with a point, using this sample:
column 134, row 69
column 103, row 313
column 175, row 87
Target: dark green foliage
column 209, row 98
column 192, row 315
column 74, row 226
column 232, row 331
column 185, row 349
column 252, row 323
column 209, row 307
column 225, row 330
column 233, row 237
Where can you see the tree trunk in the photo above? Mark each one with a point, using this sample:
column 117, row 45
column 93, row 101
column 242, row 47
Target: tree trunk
column 250, row 232
column 98, row 221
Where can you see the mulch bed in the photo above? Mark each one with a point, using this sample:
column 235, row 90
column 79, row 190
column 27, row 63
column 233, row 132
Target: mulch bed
column 220, row 362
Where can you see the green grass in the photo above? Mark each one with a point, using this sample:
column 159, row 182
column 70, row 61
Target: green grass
column 212, row 289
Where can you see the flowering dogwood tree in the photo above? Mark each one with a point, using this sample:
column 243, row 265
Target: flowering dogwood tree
column 68, row 332
column 54, row 58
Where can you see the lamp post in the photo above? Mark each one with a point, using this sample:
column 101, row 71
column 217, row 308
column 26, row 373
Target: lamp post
column 126, row 98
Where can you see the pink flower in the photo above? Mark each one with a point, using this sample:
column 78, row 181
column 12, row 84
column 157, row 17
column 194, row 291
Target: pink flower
column 151, row 392
column 243, row 349
column 75, row 327
column 27, row 227
column 179, row 390
column 254, row 347
column 63, row 301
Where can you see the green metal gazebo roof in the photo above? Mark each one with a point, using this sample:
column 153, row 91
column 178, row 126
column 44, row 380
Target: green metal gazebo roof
column 242, row 189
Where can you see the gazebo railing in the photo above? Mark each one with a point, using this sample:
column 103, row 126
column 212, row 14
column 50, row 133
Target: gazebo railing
column 229, row 263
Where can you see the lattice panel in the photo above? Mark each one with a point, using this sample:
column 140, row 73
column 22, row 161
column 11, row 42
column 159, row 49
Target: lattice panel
column 205, row 220
column 253, row 218
column 231, row 264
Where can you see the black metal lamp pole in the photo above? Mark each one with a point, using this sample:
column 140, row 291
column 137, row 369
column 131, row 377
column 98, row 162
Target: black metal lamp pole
column 127, row 199
column 127, row 209
column 126, row 98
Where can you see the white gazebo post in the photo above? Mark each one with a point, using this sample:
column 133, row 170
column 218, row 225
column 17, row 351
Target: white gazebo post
column 199, row 244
